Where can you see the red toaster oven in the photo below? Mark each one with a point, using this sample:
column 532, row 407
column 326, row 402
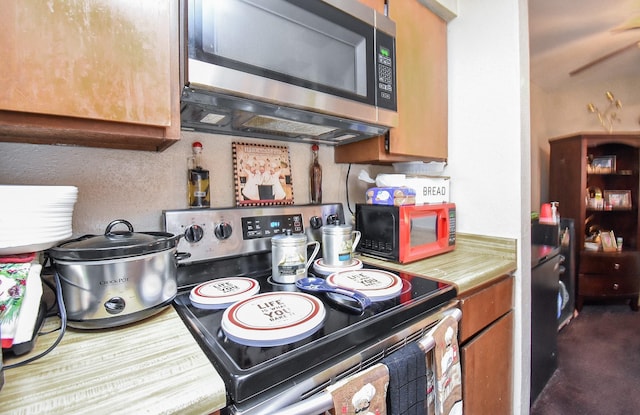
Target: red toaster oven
column 406, row 233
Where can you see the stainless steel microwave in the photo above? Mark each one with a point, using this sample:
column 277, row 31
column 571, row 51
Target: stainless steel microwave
column 305, row 70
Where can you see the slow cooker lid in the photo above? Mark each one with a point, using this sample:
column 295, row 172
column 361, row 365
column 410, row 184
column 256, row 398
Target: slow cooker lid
column 114, row 244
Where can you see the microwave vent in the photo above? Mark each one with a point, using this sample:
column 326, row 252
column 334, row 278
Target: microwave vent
column 273, row 124
column 220, row 113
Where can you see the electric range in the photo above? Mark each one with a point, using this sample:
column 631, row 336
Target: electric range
column 235, row 242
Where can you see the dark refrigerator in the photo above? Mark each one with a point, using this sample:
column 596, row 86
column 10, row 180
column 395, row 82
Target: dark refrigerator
column 552, row 295
column 563, row 236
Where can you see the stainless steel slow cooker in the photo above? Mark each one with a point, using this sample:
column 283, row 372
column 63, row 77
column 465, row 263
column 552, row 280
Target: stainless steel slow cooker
column 116, row 278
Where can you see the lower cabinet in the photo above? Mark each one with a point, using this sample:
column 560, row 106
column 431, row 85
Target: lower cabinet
column 486, row 344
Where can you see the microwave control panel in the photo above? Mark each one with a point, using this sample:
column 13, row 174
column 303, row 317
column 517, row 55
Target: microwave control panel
column 386, row 70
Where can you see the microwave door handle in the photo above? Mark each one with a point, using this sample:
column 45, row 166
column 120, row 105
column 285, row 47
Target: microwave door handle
column 444, row 226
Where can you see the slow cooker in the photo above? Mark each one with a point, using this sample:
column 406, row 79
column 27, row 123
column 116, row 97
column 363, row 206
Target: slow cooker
column 116, row 278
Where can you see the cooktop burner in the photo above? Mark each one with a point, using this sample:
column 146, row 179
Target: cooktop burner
column 254, row 369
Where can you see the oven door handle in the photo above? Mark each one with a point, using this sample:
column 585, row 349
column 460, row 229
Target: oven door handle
column 322, row 401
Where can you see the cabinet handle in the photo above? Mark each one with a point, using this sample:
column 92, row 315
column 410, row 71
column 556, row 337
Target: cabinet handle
column 615, row 286
column 616, row 266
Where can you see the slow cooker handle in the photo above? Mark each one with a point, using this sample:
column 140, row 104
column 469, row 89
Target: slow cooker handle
column 181, row 256
column 110, row 226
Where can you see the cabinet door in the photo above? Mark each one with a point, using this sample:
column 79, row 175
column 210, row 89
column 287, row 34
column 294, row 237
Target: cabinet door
column 102, row 61
column 421, row 57
column 482, row 308
column 487, row 368
column 377, row 5
column 421, row 42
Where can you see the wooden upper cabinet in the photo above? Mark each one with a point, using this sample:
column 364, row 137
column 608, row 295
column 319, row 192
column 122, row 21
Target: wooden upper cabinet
column 92, row 73
column 374, row 4
column 421, row 82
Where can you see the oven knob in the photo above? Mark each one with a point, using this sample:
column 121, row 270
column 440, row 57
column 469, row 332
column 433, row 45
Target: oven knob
column 114, row 305
column 193, row 233
column 223, row 230
column 315, row 222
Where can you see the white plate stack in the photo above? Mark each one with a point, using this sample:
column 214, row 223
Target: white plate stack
column 35, row 218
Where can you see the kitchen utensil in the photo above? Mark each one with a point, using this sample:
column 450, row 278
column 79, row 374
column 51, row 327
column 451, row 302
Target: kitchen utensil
column 319, row 285
column 338, row 244
column 289, row 257
column 116, row 278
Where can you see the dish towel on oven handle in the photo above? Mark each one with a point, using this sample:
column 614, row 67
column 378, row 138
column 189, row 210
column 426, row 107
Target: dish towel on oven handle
column 407, row 381
column 363, row 393
column 446, row 359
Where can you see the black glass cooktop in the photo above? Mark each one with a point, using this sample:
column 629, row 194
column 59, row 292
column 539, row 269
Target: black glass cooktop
column 249, row 370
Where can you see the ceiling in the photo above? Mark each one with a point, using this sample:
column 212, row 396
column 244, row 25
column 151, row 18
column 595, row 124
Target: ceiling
column 565, row 35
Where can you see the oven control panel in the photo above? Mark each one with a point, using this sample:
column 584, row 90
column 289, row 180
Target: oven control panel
column 209, row 234
column 267, row 226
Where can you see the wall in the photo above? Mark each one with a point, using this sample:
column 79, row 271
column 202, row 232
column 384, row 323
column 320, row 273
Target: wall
column 137, row 186
column 539, row 148
column 489, row 144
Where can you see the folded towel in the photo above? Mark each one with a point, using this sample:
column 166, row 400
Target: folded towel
column 17, row 258
column 430, row 402
column 30, row 307
column 363, row 393
column 447, row 365
column 13, row 281
column 407, row 381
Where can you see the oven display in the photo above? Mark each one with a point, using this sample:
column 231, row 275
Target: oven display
column 267, row 226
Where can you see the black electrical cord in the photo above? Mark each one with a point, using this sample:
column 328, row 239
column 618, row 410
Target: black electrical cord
column 50, row 308
column 346, row 186
column 63, row 327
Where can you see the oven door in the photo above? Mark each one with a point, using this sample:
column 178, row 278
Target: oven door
column 309, row 395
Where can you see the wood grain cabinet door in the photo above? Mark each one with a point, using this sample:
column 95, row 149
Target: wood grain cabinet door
column 486, row 336
column 487, row 370
column 421, row 53
column 421, row 83
column 106, row 60
column 96, row 60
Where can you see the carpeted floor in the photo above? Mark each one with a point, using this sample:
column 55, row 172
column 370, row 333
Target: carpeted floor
column 598, row 365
